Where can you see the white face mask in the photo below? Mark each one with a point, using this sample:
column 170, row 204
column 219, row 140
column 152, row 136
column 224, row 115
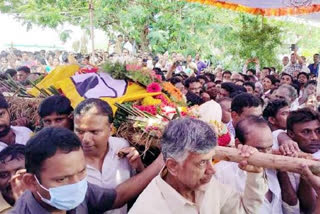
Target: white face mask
column 66, row 197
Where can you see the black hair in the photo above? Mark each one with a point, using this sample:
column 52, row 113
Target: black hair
column 45, row 144
column 244, row 100
column 102, row 106
column 301, row 116
column 245, row 77
column 229, row 87
column 250, row 84
column 236, row 93
column 218, row 82
column 296, row 85
column 303, row 73
column 189, row 81
column 226, row 72
column 286, row 74
column 273, row 108
column 3, row 102
column 267, row 68
column 193, row 99
column 253, row 71
column 174, row 80
column 272, row 79
column 311, row 82
column 210, row 76
column 10, row 72
column 273, row 69
column 14, row 152
column 159, row 72
column 55, row 104
column 203, row 77
column 24, row 69
column 241, row 128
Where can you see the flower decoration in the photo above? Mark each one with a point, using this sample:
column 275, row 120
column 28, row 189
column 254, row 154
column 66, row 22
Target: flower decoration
column 153, row 87
column 150, row 101
column 224, row 138
column 172, row 90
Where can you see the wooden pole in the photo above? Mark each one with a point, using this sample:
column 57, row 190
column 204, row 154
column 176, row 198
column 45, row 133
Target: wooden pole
column 92, row 30
column 271, row 161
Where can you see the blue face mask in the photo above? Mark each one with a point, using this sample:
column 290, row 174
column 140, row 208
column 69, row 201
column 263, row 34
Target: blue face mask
column 66, row 197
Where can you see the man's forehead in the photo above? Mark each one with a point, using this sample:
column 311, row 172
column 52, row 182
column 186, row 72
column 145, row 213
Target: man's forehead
column 55, row 115
column 253, row 110
column 200, row 156
column 10, row 163
column 314, row 124
column 62, row 163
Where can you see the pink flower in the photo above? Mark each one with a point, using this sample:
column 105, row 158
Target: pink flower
column 153, row 87
column 224, row 140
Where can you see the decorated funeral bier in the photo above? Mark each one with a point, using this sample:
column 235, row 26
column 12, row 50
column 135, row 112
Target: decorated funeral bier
column 143, row 104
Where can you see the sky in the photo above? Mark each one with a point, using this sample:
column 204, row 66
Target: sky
column 14, row 32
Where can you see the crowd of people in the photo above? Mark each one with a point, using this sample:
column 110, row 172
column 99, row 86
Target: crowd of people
column 73, row 164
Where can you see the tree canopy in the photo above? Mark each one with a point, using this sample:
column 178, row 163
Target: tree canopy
column 227, row 37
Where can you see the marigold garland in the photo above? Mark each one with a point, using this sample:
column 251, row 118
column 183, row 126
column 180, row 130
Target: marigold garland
column 172, row 90
column 259, row 11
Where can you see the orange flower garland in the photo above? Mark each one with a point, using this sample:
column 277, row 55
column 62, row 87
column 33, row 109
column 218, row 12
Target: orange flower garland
column 259, row 11
column 173, row 91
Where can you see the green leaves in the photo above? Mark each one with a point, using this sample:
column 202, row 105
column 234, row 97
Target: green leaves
column 224, row 36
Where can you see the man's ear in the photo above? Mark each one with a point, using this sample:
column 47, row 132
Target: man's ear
column 234, row 116
column 172, row 166
column 272, row 120
column 71, row 117
column 30, row 181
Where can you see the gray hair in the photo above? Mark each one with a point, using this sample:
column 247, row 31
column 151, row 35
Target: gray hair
column 186, row 135
column 292, row 91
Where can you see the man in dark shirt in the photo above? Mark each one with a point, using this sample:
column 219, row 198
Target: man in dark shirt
column 314, row 68
column 57, row 180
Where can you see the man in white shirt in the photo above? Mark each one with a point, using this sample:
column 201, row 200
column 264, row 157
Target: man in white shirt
column 276, row 113
column 186, row 185
column 252, row 131
column 93, row 119
column 127, row 45
column 242, row 106
column 303, row 126
column 10, row 134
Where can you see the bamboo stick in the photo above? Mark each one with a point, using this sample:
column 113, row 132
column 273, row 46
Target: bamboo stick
column 279, row 162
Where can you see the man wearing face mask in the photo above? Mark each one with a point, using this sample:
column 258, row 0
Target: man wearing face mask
column 10, row 134
column 56, row 178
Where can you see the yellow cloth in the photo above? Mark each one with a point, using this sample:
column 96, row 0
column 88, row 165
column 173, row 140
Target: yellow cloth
column 160, row 198
column 59, row 73
column 134, row 92
column 60, row 79
column 4, row 206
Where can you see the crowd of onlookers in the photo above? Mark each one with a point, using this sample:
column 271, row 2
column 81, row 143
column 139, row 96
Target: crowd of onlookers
column 263, row 109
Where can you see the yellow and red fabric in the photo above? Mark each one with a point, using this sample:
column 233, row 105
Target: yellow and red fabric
column 267, row 8
column 78, row 87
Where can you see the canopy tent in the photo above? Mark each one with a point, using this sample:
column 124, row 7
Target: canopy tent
column 268, row 7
